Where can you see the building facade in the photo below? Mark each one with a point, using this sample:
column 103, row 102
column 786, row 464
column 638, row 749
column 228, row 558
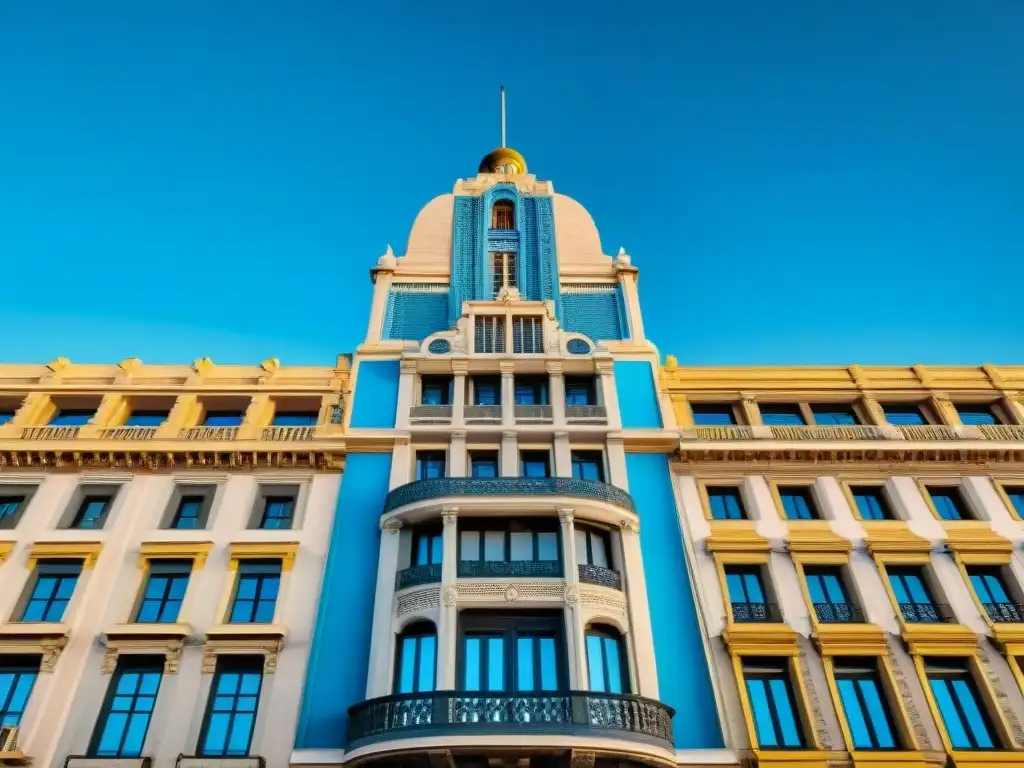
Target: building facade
column 503, row 532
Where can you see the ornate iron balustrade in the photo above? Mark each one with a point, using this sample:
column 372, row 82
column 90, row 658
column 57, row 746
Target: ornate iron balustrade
column 586, row 414
column 287, row 434
column 534, row 414
column 438, row 487
column 412, row 715
column 209, row 433
column 417, row 575
column 602, row 577
column 430, row 414
column 838, row 613
column 1002, row 431
column 927, row 613
column 928, row 432
column 746, row 613
column 1005, row 613
column 482, row 414
column 717, row 433
column 128, row 433
column 836, row 432
column 472, row 569
column 50, row 433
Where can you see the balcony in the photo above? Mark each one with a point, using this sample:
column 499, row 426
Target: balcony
column 509, row 569
column 208, row 433
column 717, row 433
column 482, row 414
column 838, row 613
column 1005, row 613
column 287, row 434
column 9, row 745
column 928, row 432
column 586, row 414
column 50, row 433
column 756, row 613
column 534, row 414
column 432, row 414
column 128, row 433
column 1002, row 431
column 418, row 575
column 602, row 577
column 837, row 432
column 927, row 613
column 463, row 713
column 440, row 487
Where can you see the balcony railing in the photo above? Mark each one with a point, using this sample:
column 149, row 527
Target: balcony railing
column 473, row 569
column 430, row 414
column 602, row 577
column 190, row 761
column 8, row 740
column 586, row 414
column 928, row 432
column 717, row 433
column 128, row 433
column 50, row 433
column 287, row 434
column 439, row 487
column 1002, row 431
column 447, row 713
column 838, row 613
column 745, row 613
column 209, row 433
column 1005, row 613
column 418, row 575
column 927, row 613
column 482, row 414
column 534, row 414
column 837, row 432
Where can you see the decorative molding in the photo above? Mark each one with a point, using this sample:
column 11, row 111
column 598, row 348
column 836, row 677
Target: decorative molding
column 978, row 544
column 602, row 600
column 549, row 590
column 6, row 547
column 936, row 639
column 170, row 648
column 49, row 647
column 741, row 539
column 817, row 714
column 392, row 525
column 566, row 515
column 627, row 525
column 196, row 551
column 450, row 515
column 262, row 456
column 269, row 648
column 417, row 600
column 284, row 551
column 86, row 551
column 1001, row 698
column 907, row 697
column 583, row 759
column 756, row 639
column 572, row 595
column 822, row 460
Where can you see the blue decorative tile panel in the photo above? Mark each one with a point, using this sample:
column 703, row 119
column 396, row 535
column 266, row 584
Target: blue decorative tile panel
column 596, row 311
column 415, row 310
column 376, row 394
column 638, row 398
column 468, row 276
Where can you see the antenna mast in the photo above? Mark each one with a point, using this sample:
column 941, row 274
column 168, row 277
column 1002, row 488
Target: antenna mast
column 503, row 116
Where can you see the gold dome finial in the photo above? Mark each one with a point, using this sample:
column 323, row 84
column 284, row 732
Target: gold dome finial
column 504, row 159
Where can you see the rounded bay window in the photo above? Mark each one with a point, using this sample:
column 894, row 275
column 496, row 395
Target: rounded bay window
column 607, row 666
column 416, row 658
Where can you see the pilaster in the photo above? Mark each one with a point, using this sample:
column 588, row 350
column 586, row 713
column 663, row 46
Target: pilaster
column 556, row 386
column 617, row 475
column 406, row 392
column 258, row 415
column 639, row 613
column 185, row 413
column 509, row 454
column 575, row 632
column 382, row 278
column 459, row 369
column 609, row 396
column 508, row 394
column 447, row 625
column 457, row 456
column 113, row 409
column 751, row 413
column 36, row 409
column 378, row 681
column 563, row 455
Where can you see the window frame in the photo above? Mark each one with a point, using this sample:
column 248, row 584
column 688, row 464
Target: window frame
column 849, row 488
column 445, row 385
column 510, row 627
column 484, row 455
column 1005, row 488
column 902, row 730
column 252, row 564
column 186, row 488
column 575, row 382
column 814, row 503
column 228, row 664
column 417, row 630
column 722, row 405
column 429, row 532
column 707, row 487
column 474, row 394
column 146, row 413
column 795, row 687
column 24, row 492
column 840, row 569
column 160, row 567
column 18, row 665
column 969, row 512
column 421, row 455
column 127, row 664
column 64, row 567
column 309, row 418
column 537, row 452
column 482, row 524
column 923, row 407
column 266, row 494
column 794, row 408
column 591, row 532
column 588, row 456
column 985, row 703
column 606, row 632
column 837, row 406
column 991, row 407
column 219, row 414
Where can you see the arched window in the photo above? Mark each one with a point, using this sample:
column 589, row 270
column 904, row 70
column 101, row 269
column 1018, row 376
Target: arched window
column 416, row 658
column 503, row 215
column 607, row 669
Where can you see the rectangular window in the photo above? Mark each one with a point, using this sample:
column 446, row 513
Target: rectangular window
column 534, row 464
column 92, row 511
column 527, row 335
column 231, row 709
column 864, row 704
column 776, row 721
column 834, row 415
column 588, row 465
column 17, row 677
column 164, row 591
column 726, row 503
column 592, row 547
column 486, row 390
column 828, row 596
column 1015, row 494
column 278, row 512
column 430, row 464
column 782, row 415
column 580, row 390
column 427, row 547
column 223, row 418
column 503, row 272
column 747, row 594
column 994, row 595
column 5, row 416
column 513, row 541
column 949, row 502
column 489, row 336
column 499, row 654
column 960, row 705
column 256, row 592
column 188, row 515
column 798, row 502
column 436, row 390
column 531, row 390
column 713, row 414
column 974, row 414
column 913, row 597
column 295, row 419
column 872, row 503
column 146, row 418
column 54, row 585
column 131, row 697
column 902, row 414
column 13, row 502
column 67, row 417
column 483, row 463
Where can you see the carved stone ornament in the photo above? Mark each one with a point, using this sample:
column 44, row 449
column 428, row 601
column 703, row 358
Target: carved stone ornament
column 394, row 525
column 450, row 515
column 582, row 759
column 1002, row 700
column 572, row 595
column 511, row 594
column 450, row 596
column 171, row 650
column 817, row 714
column 269, row 648
column 51, row 653
column 909, row 702
column 629, row 526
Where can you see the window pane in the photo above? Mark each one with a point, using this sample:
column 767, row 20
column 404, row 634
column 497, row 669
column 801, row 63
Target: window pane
column 972, row 415
column 713, row 415
column 238, row 739
column 755, row 592
column 580, row 544
column 595, row 663
column 494, row 545
column 903, row 414
column 942, row 691
column 612, row 655
column 758, row 693
column 976, row 722
column 407, row 671
column 495, row 664
column 524, row 664
column 470, row 545
column 856, row 718
column 547, row 546
column 878, row 713
column 787, row 717
column 599, row 556
column 548, row 665
column 833, row 415
column 779, row 415
column 428, row 654
column 521, row 545
column 472, row 673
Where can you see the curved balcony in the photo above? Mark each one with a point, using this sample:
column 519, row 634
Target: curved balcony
column 440, row 487
column 464, row 713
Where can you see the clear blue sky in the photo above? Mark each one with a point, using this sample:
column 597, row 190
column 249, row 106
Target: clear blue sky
column 800, row 181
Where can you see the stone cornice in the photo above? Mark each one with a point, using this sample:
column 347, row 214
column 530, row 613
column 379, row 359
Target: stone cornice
column 751, row 458
column 173, row 460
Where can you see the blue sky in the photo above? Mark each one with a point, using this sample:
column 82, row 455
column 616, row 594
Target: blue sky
column 800, row 181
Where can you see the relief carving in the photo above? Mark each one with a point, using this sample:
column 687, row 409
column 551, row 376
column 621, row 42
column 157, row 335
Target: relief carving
column 909, row 702
column 1002, row 699
column 817, row 715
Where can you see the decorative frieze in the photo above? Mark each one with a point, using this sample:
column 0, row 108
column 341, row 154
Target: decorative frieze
column 418, row 600
column 1001, row 697
column 907, row 697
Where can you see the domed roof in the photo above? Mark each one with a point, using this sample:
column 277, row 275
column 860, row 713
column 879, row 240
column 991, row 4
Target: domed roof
column 503, row 160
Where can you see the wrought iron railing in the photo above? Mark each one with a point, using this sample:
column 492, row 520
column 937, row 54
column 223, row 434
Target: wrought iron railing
column 745, row 613
column 1005, row 613
column 1002, row 431
column 717, row 433
column 838, row 613
column 534, row 414
column 128, row 433
column 434, row 488
column 928, row 432
column 430, row 414
column 287, row 434
column 482, row 414
column 8, row 738
column 464, row 712
column 602, row 577
column 586, row 414
column 472, row 569
column 927, row 613
column 50, row 433
column 209, row 433
column 417, row 575
column 835, row 432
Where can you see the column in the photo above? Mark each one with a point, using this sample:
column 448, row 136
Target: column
column 617, row 463
column 185, row 413
column 401, row 462
column 457, row 454
column 639, row 613
column 752, row 415
column 873, row 410
column 257, row 415
column 406, row 392
column 508, row 394
column 381, row 276
column 509, row 454
column 575, row 633
column 447, row 623
column 378, row 676
column 609, row 397
column 113, row 410
column 459, row 370
column 556, row 391
column 627, row 274
column 563, row 455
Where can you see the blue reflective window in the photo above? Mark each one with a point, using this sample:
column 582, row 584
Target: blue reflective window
column 973, row 415
column 994, row 595
column 484, row 662
column 534, row 464
column 864, row 704
column 483, row 464
column 417, row 659
column 188, row 515
column 713, row 414
column 10, row 509
column 798, row 502
column 428, row 547
column 726, row 503
column 70, row 418
column 486, row 390
column 92, row 511
column 825, row 585
column 256, row 592
column 52, row 591
column 278, row 512
column 231, row 708
column 782, row 415
column 1016, row 496
column 531, row 390
column 6, row 416
column 296, row 419
column 17, row 676
column 146, row 418
column 121, row 728
column 436, row 390
column 771, row 698
column 430, row 464
column 834, row 415
column 949, row 502
column 872, row 503
column 606, row 661
column 904, row 415
column 913, row 597
column 963, row 713
column 223, row 418
column 588, row 465
column 580, row 390
column 744, row 584
column 164, row 591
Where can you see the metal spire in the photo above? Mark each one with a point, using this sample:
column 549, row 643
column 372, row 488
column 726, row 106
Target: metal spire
column 503, row 116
